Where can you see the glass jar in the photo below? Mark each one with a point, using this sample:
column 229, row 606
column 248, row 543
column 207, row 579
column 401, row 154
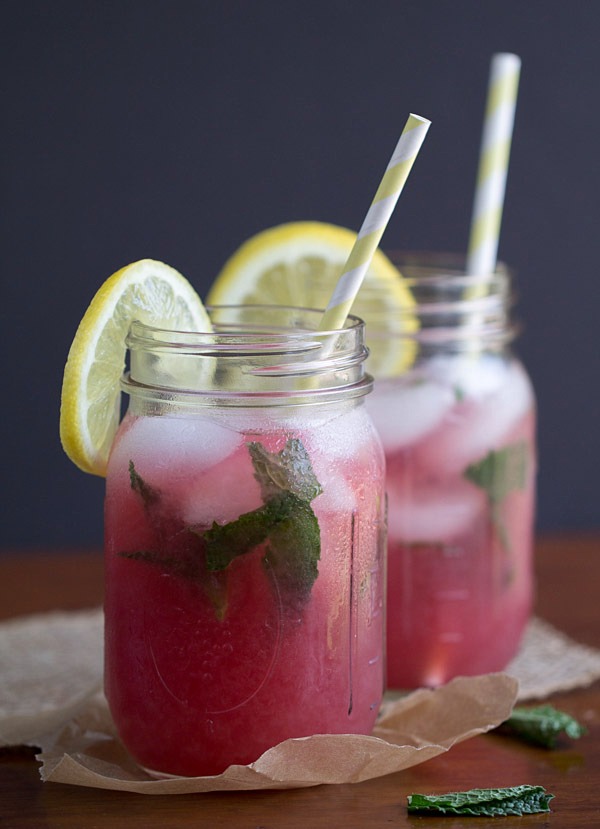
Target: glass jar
column 458, row 429
column 244, row 538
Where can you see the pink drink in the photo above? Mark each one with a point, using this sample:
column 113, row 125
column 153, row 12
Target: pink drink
column 211, row 667
column 458, row 436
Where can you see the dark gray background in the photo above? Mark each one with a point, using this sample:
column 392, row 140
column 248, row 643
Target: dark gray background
column 176, row 130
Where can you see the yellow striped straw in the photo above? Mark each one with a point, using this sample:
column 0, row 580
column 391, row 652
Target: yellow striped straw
column 375, row 222
column 493, row 163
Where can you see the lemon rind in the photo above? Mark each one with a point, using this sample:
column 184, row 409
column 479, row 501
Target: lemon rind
column 77, row 441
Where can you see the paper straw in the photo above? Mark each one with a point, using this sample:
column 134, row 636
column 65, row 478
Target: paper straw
column 375, row 222
column 493, row 163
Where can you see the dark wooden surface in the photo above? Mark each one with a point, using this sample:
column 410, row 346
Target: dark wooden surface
column 568, row 578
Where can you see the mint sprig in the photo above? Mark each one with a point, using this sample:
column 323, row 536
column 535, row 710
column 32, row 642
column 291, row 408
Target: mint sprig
column 515, row 800
column 294, row 552
column 225, row 542
column 499, row 473
column 286, row 522
column 541, row 725
column 287, row 471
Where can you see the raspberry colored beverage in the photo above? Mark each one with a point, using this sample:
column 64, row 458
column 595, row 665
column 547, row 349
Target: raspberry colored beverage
column 458, row 430
column 244, row 547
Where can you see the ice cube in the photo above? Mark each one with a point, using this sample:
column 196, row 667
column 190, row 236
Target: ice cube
column 404, row 413
column 343, row 437
column 175, row 443
column 338, row 494
column 476, row 426
column 433, row 513
column 222, row 493
column 469, row 376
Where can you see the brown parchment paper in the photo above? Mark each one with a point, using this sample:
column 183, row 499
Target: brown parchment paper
column 411, row 730
column 50, row 697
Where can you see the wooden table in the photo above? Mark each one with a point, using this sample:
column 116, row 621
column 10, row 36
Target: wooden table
column 568, row 578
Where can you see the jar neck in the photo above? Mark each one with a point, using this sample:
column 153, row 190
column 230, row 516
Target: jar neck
column 254, row 356
column 454, row 312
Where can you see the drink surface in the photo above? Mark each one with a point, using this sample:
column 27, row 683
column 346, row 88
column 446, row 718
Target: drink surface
column 458, row 437
column 210, row 667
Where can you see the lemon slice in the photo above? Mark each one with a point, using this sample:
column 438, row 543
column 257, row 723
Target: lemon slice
column 299, row 264
column 149, row 291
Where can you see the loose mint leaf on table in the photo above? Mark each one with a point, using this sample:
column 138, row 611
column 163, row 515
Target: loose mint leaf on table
column 542, row 725
column 515, row 800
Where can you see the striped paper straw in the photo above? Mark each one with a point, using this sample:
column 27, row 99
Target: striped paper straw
column 493, row 163
column 375, row 223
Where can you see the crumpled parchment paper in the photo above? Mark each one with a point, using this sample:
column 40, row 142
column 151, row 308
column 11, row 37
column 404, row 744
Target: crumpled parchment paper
column 416, row 728
column 51, row 697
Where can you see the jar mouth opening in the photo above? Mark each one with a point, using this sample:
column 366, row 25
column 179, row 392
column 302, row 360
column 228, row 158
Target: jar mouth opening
column 446, row 264
column 448, row 308
column 236, row 327
column 260, row 352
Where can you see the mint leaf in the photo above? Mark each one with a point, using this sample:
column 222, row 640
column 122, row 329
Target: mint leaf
column 149, row 495
column 224, row 542
column 294, row 552
column 177, row 566
column 216, row 588
column 516, row 800
column 500, row 472
column 290, row 526
column 287, row 471
column 542, row 725
column 191, row 569
column 285, row 522
column 459, row 393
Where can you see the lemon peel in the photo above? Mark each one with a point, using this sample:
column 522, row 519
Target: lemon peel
column 299, row 263
column 149, row 291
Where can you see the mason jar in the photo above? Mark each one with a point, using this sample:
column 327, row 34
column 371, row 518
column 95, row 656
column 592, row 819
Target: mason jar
column 457, row 422
column 244, row 540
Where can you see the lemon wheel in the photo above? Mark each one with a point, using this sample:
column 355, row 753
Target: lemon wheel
column 149, row 291
column 299, row 264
